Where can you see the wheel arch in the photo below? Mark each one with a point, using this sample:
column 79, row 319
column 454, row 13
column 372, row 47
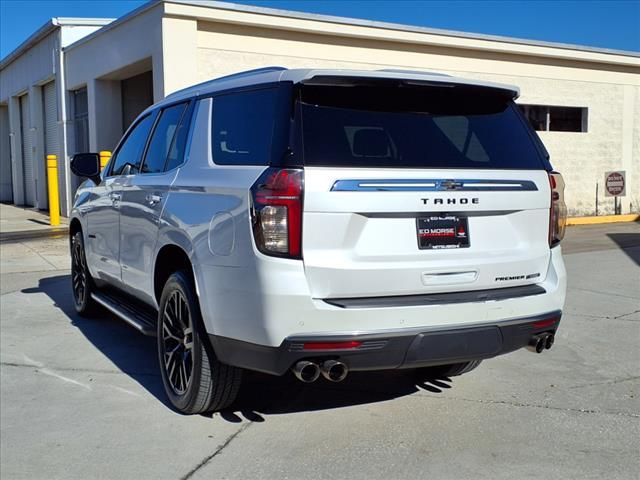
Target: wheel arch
column 170, row 259
column 75, row 226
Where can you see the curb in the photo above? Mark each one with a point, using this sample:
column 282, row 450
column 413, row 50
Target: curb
column 54, row 232
column 632, row 217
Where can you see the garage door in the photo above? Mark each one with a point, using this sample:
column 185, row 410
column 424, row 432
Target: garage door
column 51, row 145
column 27, row 155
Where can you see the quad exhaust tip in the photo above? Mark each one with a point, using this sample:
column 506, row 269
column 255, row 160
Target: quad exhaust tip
column 549, row 341
column 306, row 371
column 538, row 343
column 334, row 371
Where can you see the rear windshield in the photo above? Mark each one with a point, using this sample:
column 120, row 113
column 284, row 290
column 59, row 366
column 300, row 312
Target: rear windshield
column 406, row 126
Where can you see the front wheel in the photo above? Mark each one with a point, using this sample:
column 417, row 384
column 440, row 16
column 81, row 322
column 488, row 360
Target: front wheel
column 81, row 282
column 194, row 380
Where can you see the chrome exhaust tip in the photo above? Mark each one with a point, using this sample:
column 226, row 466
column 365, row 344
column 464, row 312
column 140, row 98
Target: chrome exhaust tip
column 549, row 341
column 537, row 343
column 334, row 371
column 306, row 371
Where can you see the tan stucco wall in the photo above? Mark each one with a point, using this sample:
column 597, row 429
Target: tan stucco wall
column 189, row 44
column 581, row 157
column 100, row 62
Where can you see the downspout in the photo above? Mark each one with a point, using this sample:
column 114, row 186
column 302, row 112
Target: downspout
column 66, row 203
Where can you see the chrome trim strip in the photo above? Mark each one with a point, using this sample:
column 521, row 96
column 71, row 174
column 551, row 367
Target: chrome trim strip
column 433, row 185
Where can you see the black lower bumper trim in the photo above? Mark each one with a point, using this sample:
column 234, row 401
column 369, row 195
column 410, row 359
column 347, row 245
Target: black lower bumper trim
column 382, row 351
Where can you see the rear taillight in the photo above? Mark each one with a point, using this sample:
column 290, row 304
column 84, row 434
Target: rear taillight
column 277, row 212
column 558, row 210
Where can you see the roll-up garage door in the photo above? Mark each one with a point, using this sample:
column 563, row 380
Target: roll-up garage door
column 27, row 155
column 51, row 144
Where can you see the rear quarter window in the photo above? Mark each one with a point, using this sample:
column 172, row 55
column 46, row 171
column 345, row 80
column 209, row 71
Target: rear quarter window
column 242, row 127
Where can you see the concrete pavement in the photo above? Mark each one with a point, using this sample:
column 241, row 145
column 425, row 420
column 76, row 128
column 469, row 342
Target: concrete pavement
column 19, row 223
column 83, row 399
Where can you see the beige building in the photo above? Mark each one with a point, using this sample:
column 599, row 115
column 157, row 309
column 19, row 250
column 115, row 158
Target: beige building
column 585, row 102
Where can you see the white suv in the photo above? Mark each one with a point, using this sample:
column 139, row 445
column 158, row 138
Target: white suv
column 323, row 221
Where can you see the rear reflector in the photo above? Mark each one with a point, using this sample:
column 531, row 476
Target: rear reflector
column 331, row 345
column 545, row 323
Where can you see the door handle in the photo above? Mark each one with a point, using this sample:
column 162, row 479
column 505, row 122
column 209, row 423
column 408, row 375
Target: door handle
column 115, row 197
column 153, row 198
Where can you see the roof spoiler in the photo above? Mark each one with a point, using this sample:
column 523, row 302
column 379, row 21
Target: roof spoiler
column 444, row 81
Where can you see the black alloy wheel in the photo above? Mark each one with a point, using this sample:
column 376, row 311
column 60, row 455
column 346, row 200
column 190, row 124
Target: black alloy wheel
column 81, row 282
column 194, row 379
column 177, row 340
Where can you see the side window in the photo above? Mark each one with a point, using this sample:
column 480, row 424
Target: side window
column 178, row 147
column 162, row 139
column 243, row 127
column 130, row 152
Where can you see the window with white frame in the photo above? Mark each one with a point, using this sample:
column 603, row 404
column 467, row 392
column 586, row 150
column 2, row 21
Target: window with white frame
column 80, row 120
column 546, row 118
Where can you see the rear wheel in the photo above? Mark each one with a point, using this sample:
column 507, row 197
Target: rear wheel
column 194, row 379
column 81, row 282
column 452, row 370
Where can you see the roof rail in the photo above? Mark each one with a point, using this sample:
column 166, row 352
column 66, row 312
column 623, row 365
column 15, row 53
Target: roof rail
column 421, row 72
column 248, row 73
column 233, row 76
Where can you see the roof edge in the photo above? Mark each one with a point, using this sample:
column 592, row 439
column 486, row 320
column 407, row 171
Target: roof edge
column 49, row 26
column 118, row 21
column 223, row 5
column 84, row 22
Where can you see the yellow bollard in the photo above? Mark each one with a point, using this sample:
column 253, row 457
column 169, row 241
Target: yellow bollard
column 54, row 196
column 105, row 155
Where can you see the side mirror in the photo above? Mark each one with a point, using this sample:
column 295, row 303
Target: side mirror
column 86, row 165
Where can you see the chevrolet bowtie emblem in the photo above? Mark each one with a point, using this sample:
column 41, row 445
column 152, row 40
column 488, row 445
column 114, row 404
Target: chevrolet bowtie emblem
column 450, row 185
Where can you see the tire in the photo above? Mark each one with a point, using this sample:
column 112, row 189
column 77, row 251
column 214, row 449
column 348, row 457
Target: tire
column 81, row 282
column 452, row 370
column 194, row 380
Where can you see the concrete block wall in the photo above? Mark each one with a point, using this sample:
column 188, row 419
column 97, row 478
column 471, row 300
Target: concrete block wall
column 582, row 158
column 186, row 44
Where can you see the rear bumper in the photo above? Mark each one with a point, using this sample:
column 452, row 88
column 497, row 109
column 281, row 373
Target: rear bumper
column 392, row 349
column 271, row 303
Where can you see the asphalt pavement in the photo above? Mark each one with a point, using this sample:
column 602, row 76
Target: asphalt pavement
column 83, row 399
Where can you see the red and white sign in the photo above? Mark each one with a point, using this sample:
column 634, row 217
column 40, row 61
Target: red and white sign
column 615, row 184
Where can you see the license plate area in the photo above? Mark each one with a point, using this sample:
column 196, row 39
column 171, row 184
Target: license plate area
column 439, row 232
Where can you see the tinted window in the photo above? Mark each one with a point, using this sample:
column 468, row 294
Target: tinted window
column 81, row 120
column 130, row 152
column 243, row 127
column 163, row 138
column 432, row 127
column 177, row 150
column 537, row 115
column 558, row 119
column 567, row 119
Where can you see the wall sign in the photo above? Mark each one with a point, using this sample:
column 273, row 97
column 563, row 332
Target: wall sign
column 615, row 184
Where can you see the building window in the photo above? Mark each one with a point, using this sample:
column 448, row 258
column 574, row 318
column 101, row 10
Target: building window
column 546, row 118
column 81, row 120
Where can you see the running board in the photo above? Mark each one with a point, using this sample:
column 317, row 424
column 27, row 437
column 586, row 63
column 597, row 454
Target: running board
column 139, row 318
